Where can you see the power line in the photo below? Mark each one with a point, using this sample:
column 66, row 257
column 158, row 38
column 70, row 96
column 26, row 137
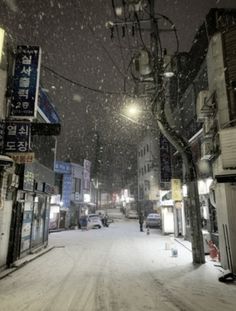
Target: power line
column 82, row 85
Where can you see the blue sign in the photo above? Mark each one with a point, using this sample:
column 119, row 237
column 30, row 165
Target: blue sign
column 62, row 167
column 46, row 109
column 17, row 137
column 25, row 82
column 66, row 189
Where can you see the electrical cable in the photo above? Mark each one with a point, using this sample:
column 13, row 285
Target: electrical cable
column 55, row 73
column 139, row 31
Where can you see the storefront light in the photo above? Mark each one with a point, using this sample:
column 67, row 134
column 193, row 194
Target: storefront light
column 87, row 198
column 185, row 191
column 2, row 33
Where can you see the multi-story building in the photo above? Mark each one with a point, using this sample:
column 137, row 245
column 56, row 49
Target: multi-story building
column 149, row 173
column 29, row 124
column 205, row 116
column 73, row 181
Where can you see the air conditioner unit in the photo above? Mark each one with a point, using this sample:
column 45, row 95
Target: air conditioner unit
column 207, row 149
column 203, row 110
column 228, row 147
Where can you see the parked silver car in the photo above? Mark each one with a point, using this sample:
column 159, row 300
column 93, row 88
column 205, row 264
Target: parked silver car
column 132, row 214
column 153, row 220
column 94, row 221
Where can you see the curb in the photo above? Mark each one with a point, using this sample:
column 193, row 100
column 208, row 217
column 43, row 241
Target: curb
column 189, row 249
column 24, row 262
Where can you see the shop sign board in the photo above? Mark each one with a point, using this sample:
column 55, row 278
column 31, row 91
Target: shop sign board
column 87, row 168
column 17, row 137
column 46, row 108
column 25, row 82
column 176, row 190
column 22, row 158
column 28, row 182
column 165, row 159
column 66, row 189
column 62, row 167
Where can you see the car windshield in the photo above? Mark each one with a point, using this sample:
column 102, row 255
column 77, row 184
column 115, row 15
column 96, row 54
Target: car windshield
column 153, row 216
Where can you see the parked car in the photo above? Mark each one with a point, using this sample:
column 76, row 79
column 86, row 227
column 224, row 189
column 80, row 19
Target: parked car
column 94, row 221
column 132, row 214
column 153, row 220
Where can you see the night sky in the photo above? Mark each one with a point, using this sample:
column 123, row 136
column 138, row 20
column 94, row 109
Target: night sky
column 78, row 51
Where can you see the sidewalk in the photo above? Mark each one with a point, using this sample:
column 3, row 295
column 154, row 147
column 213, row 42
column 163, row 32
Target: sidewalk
column 184, row 243
column 23, row 261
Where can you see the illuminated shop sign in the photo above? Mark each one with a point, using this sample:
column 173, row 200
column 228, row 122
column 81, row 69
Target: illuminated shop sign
column 46, row 108
column 25, row 82
column 62, row 167
column 17, row 137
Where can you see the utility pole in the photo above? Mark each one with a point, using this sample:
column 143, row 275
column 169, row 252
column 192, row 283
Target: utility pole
column 96, row 169
column 179, row 143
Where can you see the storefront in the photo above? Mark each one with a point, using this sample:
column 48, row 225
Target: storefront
column 30, row 214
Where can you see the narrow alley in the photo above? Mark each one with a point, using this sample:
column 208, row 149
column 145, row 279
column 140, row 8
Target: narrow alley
column 115, row 268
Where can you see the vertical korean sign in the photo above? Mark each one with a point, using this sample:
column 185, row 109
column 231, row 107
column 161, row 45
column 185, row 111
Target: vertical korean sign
column 165, row 159
column 87, row 167
column 25, row 82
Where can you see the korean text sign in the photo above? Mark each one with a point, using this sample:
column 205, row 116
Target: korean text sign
column 17, row 137
column 25, row 82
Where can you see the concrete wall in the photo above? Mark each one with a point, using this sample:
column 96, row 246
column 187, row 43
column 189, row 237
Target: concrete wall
column 149, row 168
column 225, row 192
column 5, row 219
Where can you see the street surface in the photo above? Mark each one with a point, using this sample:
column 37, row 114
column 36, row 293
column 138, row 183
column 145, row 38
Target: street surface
column 115, row 269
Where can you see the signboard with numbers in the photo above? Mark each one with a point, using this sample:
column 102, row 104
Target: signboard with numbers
column 25, row 82
column 17, row 137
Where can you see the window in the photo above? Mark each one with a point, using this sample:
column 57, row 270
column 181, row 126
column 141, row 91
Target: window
column 147, row 148
column 145, row 169
column 142, row 171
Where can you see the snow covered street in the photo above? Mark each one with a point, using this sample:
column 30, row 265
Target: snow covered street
column 115, row 269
